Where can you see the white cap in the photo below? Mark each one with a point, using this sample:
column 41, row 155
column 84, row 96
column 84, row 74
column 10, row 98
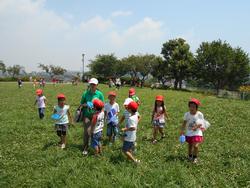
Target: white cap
column 93, row 81
column 127, row 101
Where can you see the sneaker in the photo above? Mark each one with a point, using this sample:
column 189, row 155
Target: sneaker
column 154, row 141
column 137, row 161
column 195, row 161
column 163, row 136
column 85, row 152
column 63, row 146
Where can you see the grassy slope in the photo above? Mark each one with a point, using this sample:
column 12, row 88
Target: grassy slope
column 29, row 156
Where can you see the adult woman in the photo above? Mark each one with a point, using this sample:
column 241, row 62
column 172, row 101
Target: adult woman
column 88, row 112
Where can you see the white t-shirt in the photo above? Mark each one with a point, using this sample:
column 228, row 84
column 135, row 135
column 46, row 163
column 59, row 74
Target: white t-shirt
column 131, row 135
column 126, row 114
column 99, row 122
column 191, row 121
column 41, row 101
column 159, row 115
column 112, row 111
column 63, row 112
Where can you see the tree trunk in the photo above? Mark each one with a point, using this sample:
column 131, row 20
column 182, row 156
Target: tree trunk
column 175, row 84
column 180, row 84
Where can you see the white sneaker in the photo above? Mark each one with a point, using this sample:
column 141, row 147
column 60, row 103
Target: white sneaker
column 63, row 146
column 137, row 161
column 85, row 152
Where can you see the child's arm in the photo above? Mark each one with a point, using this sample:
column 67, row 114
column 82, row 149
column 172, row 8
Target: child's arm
column 70, row 117
column 93, row 122
column 122, row 119
column 128, row 129
column 183, row 127
column 139, row 118
column 166, row 115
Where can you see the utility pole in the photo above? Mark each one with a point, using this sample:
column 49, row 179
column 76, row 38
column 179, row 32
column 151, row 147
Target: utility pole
column 83, row 67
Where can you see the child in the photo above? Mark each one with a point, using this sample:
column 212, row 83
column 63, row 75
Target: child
column 111, row 114
column 193, row 130
column 131, row 94
column 126, row 113
column 97, row 125
column 41, row 103
column 130, row 132
column 159, row 115
column 61, row 125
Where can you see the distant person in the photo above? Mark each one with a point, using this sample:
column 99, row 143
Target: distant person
column 112, row 110
column 130, row 132
column 54, row 82
column 159, row 116
column 41, row 103
column 88, row 111
column 111, row 83
column 118, row 83
column 132, row 95
column 97, row 125
column 43, row 82
column 34, row 83
column 19, row 82
column 193, row 129
column 40, row 82
column 65, row 118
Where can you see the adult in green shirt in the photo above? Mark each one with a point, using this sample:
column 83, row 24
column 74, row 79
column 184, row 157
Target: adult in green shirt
column 88, row 96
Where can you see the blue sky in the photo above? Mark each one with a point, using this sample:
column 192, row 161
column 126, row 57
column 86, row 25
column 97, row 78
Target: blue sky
column 58, row 31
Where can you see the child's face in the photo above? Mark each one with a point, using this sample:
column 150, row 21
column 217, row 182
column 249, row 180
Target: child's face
column 126, row 107
column 61, row 102
column 158, row 103
column 111, row 98
column 192, row 108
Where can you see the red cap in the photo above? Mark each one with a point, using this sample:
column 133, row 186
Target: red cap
column 159, row 98
column 131, row 91
column 61, row 96
column 196, row 101
column 39, row 91
column 98, row 103
column 133, row 105
column 112, row 93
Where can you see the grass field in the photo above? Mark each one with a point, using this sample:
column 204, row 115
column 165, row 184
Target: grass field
column 29, row 156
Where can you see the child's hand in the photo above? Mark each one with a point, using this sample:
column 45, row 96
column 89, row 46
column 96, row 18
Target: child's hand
column 123, row 129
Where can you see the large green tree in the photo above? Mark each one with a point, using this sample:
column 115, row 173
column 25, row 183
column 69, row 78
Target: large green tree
column 178, row 60
column 14, row 70
column 104, row 65
column 2, row 66
column 217, row 63
column 52, row 70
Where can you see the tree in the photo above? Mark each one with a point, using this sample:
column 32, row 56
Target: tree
column 159, row 70
column 2, row 67
column 178, row 60
column 52, row 70
column 104, row 65
column 217, row 63
column 14, row 70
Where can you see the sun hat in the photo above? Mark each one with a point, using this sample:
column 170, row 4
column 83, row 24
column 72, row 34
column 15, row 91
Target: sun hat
column 133, row 105
column 93, row 81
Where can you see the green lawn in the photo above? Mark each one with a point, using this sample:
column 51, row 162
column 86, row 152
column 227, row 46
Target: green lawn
column 29, row 156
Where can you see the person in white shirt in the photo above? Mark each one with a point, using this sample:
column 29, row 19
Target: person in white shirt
column 61, row 125
column 112, row 110
column 193, row 129
column 159, row 115
column 130, row 132
column 41, row 103
column 97, row 124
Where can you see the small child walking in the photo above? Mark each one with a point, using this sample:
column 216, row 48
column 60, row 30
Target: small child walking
column 41, row 103
column 194, row 135
column 61, row 125
column 111, row 110
column 159, row 116
column 133, row 96
column 97, row 125
column 130, row 132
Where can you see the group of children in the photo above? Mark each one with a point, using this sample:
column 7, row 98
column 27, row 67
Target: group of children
column 109, row 113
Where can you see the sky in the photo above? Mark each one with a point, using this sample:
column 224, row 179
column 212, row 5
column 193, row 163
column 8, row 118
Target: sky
column 59, row 31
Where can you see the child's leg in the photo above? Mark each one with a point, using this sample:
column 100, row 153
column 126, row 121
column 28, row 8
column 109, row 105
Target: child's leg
column 155, row 131
column 190, row 150
column 129, row 155
column 195, row 150
column 161, row 130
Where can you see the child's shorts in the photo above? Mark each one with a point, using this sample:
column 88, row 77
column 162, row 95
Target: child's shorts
column 128, row 146
column 157, row 123
column 194, row 139
column 112, row 129
column 61, row 129
column 96, row 139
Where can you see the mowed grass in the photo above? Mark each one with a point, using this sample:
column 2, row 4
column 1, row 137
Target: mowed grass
column 29, row 156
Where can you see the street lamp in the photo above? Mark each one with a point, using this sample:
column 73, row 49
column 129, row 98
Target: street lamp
column 83, row 67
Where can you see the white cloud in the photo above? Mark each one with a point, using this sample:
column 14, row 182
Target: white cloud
column 30, row 34
column 121, row 13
